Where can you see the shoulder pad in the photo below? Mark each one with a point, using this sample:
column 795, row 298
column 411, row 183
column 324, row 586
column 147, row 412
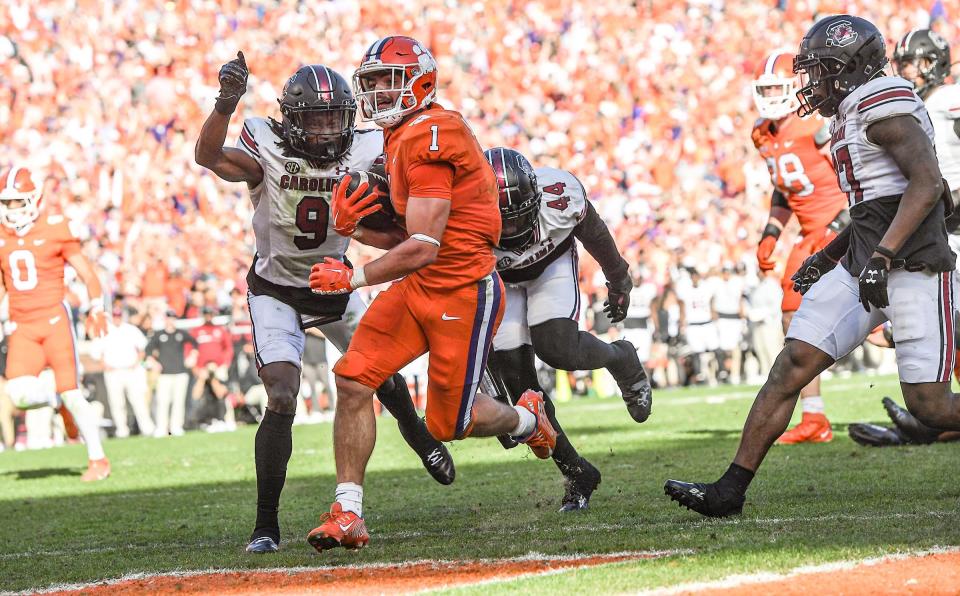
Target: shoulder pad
column 886, row 97
column 252, row 135
column 761, row 132
column 439, row 135
column 562, row 191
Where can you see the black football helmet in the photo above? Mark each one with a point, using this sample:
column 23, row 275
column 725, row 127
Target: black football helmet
column 519, row 197
column 929, row 52
column 837, row 55
column 318, row 111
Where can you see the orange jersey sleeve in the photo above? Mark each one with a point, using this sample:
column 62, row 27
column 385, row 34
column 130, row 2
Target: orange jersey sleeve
column 439, row 136
column 32, row 267
column 799, row 169
column 431, row 180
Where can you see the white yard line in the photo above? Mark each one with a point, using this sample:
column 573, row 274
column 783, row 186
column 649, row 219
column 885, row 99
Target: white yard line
column 532, row 556
column 735, row 581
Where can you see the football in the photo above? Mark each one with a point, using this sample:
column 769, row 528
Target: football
column 377, row 179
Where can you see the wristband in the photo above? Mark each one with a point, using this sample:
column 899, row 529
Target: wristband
column 883, row 250
column 96, row 305
column 359, row 279
column 771, row 230
column 356, row 233
column 226, row 105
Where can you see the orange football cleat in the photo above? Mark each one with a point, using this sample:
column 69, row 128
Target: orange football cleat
column 97, row 469
column 69, row 424
column 544, row 437
column 813, row 428
column 339, row 528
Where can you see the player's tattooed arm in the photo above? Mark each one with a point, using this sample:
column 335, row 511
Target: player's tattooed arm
column 906, row 142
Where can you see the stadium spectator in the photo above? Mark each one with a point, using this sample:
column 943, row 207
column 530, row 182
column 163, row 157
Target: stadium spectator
column 167, row 350
column 122, row 352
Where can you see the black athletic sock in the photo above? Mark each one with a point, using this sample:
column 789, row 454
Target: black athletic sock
column 564, row 453
column 736, row 478
column 395, row 397
column 272, row 448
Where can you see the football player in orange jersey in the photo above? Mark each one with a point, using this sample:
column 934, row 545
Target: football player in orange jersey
column 449, row 301
column 33, row 252
column 797, row 154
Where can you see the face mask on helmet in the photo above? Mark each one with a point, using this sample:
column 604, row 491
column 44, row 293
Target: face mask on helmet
column 397, row 77
column 321, row 134
column 20, row 199
column 923, row 58
column 775, row 97
column 818, row 79
column 519, row 195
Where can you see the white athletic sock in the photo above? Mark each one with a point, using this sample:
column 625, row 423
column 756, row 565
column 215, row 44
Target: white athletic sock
column 350, row 497
column 812, row 404
column 527, row 423
column 87, row 422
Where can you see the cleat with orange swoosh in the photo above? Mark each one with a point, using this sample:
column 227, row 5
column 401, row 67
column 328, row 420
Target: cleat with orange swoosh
column 543, row 438
column 813, row 428
column 97, row 469
column 339, row 528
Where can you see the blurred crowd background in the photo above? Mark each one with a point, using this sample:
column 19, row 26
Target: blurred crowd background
column 647, row 102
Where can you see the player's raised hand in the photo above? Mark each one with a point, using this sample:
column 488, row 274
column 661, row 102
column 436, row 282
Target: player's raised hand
column 331, row 277
column 617, row 303
column 811, row 270
column 349, row 209
column 96, row 323
column 233, row 84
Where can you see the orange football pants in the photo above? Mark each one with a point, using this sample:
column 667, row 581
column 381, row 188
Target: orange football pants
column 45, row 341
column 456, row 327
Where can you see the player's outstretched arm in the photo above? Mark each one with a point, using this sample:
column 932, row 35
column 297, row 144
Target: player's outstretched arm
column 780, row 214
column 596, row 238
column 229, row 163
column 908, row 145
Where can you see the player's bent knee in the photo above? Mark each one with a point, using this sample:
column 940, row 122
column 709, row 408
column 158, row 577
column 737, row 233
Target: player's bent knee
column 281, row 380
column 441, row 432
column 28, row 393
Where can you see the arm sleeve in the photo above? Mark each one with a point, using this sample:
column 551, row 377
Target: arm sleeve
column 838, row 246
column 430, row 180
column 596, row 238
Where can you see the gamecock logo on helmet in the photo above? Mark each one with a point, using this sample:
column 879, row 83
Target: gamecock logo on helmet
column 841, row 34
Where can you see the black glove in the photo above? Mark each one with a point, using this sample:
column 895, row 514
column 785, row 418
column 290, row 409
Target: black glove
column 233, row 84
column 873, row 284
column 811, row 270
column 618, row 300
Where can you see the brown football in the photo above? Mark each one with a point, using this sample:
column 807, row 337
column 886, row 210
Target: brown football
column 386, row 217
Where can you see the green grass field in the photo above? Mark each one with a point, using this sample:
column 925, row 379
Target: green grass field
column 188, row 503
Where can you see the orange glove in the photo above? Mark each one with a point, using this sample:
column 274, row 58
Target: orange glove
column 349, row 210
column 331, row 277
column 96, row 323
column 765, row 253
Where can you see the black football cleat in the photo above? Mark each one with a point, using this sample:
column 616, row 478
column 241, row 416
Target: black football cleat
column 874, row 435
column 633, row 382
column 705, row 499
column 262, row 545
column 907, row 424
column 579, row 486
column 434, row 454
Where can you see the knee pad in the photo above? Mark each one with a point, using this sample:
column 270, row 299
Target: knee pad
column 28, row 393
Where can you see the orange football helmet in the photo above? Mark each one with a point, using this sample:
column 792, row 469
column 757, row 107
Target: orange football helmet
column 21, row 191
column 775, row 87
column 410, row 86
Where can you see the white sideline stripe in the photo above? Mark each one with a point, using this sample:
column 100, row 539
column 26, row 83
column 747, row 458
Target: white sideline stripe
column 735, row 581
column 404, row 535
column 531, row 556
column 714, row 398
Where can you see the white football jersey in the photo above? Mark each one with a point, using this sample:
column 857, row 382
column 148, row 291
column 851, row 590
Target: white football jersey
column 641, row 299
column 729, row 295
column 697, row 302
column 866, row 171
column 291, row 217
column 563, row 205
column 944, row 108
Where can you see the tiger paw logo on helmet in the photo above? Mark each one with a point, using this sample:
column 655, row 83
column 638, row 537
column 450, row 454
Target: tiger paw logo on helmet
column 841, row 34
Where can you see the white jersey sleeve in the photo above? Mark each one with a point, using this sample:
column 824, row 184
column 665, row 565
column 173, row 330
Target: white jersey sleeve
column 563, row 205
column 866, row 171
column 944, row 108
column 291, row 218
